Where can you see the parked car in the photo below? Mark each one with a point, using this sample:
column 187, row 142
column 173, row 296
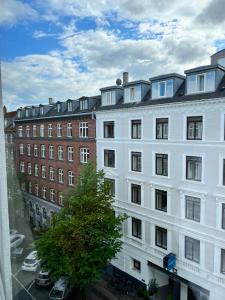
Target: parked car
column 44, row 278
column 61, row 290
column 16, row 240
column 31, row 262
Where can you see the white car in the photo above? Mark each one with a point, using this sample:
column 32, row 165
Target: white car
column 16, row 240
column 61, row 290
column 31, row 262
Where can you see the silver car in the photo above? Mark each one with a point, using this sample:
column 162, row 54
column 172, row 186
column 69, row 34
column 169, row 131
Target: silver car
column 16, row 240
column 61, row 290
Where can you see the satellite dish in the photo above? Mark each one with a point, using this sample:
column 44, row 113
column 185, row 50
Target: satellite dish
column 118, row 81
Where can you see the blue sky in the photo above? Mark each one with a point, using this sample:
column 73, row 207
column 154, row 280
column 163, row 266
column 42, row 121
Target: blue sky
column 69, row 48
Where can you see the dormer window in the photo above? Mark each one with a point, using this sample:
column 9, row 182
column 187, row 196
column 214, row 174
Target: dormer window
column 83, row 104
column 58, row 107
column 33, row 112
column 69, row 106
column 108, row 97
column 27, row 113
column 132, row 93
column 162, row 89
column 19, row 114
column 41, row 110
column 204, row 82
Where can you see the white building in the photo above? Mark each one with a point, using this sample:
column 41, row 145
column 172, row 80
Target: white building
column 162, row 142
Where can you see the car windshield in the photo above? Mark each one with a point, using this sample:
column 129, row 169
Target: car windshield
column 30, row 261
column 56, row 293
column 15, row 239
column 43, row 276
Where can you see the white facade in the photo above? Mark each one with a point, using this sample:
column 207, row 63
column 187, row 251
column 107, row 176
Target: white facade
column 211, row 191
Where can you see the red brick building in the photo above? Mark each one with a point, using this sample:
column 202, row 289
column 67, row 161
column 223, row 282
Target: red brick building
column 53, row 142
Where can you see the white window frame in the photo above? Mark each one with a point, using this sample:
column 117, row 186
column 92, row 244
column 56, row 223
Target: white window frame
column 83, row 129
column 29, row 168
column 52, row 195
column 43, row 172
column 35, row 150
column 22, row 170
column 59, row 130
column 60, row 176
column 84, row 155
column 71, row 177
column 60, row 152
column 36, row 189
column 61, row 198
column 70, row 153
column 44, row 192
column 51, row 173
column 51, row 152
column 27, row 131
column 20, row 131
column 42, row 130
column 69, row 130
column 21, row 149
column 49, row 130
column 43, row 151
column 36, row 170
column 34, row 130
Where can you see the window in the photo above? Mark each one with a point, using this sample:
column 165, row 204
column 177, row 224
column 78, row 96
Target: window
column 136, row 265
column 132, row 94
column 69, row 130
column 136, row 129
column 223, row 215
column 42, row 130
column 58, row 107
column 161, row 237
column 83, row 104
column 109, row 158
column 33, row 112
column 21, row 149
column 51, row 173
column 70, row 178
column 60, row 152
column 51, row 152
column 43, row 171
column 201, row 82
column 194, row 128
column 162, row 129
column 52, row 195
column 44, row 190
column 109, row 129
column 30, row 187
column 84, row 155
column 69, row 106
column 60, row 176
column 41, row 110
column 22, row 167
column 70, row 153
column 136, row 228
column 162, row 89
column 161, row 164
column 223, row 171
column 34, row 130
column 83, row 129
column 29, row 169
column 43, row 151
column 194, row 168
column 192, row 211
column 136, row 161
column 28, row 150
column 19, row 114
column 61, row 198
column 27, row 131
column 192, row 249
column 222, row 261
column 136, row 193
column 50, row 130
column 161, row 200
column 59, row 130
column 35, row 150
column 111, row 183
column 20, row 131
column 35, row 169
column 36, row 189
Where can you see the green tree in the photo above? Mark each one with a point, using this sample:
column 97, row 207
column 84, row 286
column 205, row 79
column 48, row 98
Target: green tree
column 85, row 235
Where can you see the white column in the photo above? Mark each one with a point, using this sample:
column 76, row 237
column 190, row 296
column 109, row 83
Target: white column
column 5, row 263
column 183, row 291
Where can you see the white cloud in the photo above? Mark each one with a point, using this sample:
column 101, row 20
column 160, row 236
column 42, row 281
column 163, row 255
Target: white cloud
column 13, row 11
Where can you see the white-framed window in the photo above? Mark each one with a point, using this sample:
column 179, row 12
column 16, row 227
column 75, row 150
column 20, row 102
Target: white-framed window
column 41, row 110
column 33, row 112
column 69, row 106
column 70, row 178
column 22, row 167
column 52, row 195
column 21, row 149
column 204, row 82
column 51, row 152
column 69, row 130
column 58, row 107
column 108, row 129
column 60, row 176
column 83, row 104
column 83, row 129
column 192, row 208
column 161, row 164
column 60, row 152
column 35, row 169
column 192, row 249
column 42, row 130
column 136, row 161
column 43, row 171
column 30, row 187
column 136, row 228
column 29, row 168
column 20, row 131
column 34, row 130
column 132, row 93
column 27, row 131
column 28, row 150
column 44, row 191
column 36, row 189
column 51, row 173
column 162, row 89
column 35, row 150
column 61, row 198
column 50, row 130
column 194, row 128
column 27, row 112
column 70, row 153
column 194, row 168
column 84, row 155
column 19, row 114
column 43, row 151
column 59, row 130
column 109, row 158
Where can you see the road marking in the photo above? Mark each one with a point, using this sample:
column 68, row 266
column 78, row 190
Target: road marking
column 24, row 287
column 32, row 282
column 17, row 272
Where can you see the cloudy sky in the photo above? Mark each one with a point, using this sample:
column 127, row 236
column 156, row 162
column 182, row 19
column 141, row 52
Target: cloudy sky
column 69, row 48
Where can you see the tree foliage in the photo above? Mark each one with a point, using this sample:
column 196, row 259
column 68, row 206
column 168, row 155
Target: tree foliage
column 85, row 235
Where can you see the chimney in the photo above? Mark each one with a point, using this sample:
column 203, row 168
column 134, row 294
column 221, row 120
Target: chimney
column 125, row 77
column 4, row 109
column 50, row 100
